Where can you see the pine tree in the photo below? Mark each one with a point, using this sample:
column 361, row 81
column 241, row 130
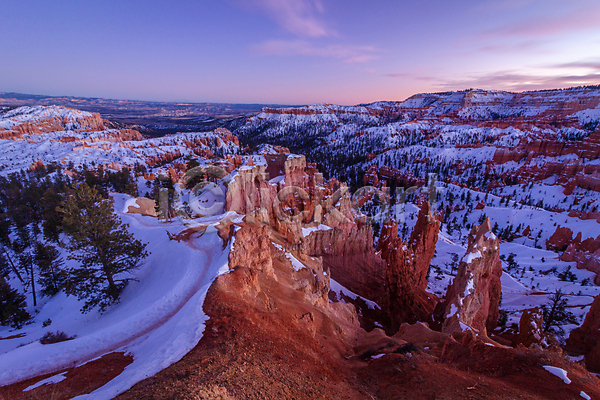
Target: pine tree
column 12, row 306
column 100, row 242
column 49, row 263
column 556, row 314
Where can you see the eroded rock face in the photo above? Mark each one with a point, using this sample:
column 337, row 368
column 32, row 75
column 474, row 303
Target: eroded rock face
column 251, row 249
column 406, row 297
column 560, row 239
column 350, row 257
column 587, row 336
column 285, row 204
column 472, row 299
column 586, row 253
column 531, row 326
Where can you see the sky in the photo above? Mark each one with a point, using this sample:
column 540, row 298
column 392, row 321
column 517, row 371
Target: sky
column 294, row 51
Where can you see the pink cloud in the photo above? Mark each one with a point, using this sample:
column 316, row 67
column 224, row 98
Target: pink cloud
column 347, row 53
column 514, row 81
column 299, row 17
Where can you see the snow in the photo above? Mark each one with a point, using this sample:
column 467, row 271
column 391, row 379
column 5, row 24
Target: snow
column 296, row 264
column 48, row 381
column 321, row 227
column 130, row 203
column 469, row 287
column 159, row 319
column 490, row 235
column 472, row 256
column 337, row 288
column 453, row 310
column 97, row 147
column 585, row 395
column 277, row 179
column 561, row 373
column 378, row 356
column 464, row 327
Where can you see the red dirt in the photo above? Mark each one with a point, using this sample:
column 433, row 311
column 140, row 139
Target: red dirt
column 265, row 341
column 80, row 380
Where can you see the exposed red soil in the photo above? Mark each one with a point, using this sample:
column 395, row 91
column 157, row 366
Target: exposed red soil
column 271, row 344
column 80, row 380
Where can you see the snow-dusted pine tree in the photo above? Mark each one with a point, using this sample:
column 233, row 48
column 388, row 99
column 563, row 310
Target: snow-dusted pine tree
column 100, row 242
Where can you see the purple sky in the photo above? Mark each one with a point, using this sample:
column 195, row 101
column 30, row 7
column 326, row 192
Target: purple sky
column 294, row 51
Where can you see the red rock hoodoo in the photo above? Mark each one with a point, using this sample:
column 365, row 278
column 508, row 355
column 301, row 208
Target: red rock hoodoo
column 406, row 297
column 472, row 299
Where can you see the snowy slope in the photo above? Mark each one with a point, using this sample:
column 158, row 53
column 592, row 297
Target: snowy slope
column 158, row 320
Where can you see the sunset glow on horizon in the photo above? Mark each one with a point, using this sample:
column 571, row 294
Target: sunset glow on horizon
column 295, row 51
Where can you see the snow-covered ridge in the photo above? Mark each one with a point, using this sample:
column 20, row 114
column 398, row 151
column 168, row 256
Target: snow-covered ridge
column 68, row 118
column 52, row 134
column 468, row 104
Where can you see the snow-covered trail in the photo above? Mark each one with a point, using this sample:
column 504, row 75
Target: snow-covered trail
column 159, row 319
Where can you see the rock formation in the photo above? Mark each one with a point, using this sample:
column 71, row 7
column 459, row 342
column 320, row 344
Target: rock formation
column 46, row 119
column 560, row 239
column 249, row 193
column 406, row 297
column 251, row 249
column 351, row 259
column 145, row 206
column 531, row 327
column 586, row 253
column 472, row 299
column 586, row 338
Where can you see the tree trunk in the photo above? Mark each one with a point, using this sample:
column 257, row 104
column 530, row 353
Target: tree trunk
column 12, row 265
column 33, row 285
column 113, row 290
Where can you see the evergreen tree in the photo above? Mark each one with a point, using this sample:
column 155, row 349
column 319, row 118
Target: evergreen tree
column 48, row 260
column 26, row 264
column 51, row 217
column 100, row 242
column 556, row 314
column 12, row 306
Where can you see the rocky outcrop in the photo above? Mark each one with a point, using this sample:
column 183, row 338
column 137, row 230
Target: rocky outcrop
column 587, row 148
column 586, row 338
column 586, row 253
column 248, row 193
column 472, row 299
column 406, row 297
column 560, row 239
column 350, row 257
column 46, row 119
column 531, row 327
column 251, row 249
column 584, row 259
column 145, row 206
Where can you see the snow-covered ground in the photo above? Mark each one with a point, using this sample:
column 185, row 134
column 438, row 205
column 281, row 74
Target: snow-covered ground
column 159, row 319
